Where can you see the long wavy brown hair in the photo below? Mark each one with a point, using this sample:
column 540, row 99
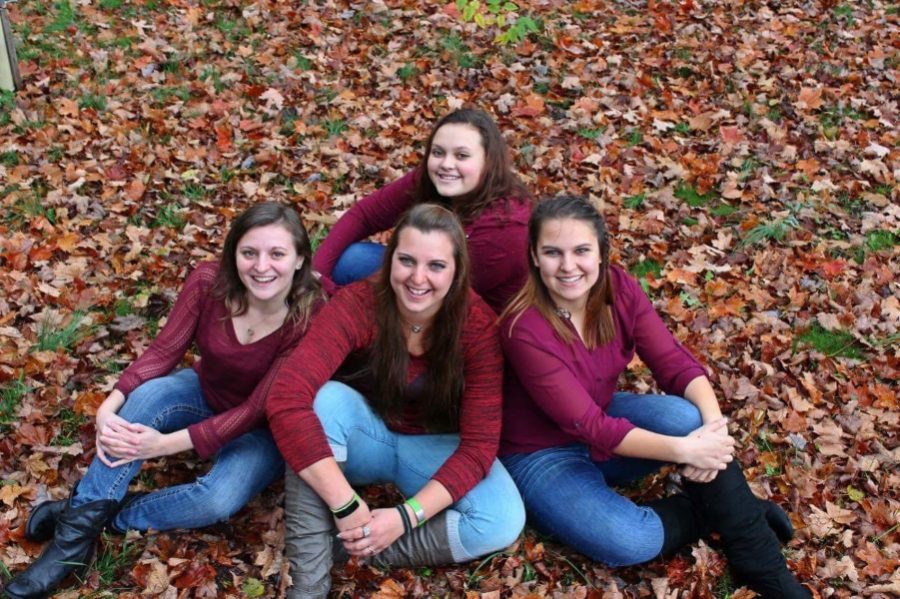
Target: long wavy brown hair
column 305, row 290
column 442, row 342
column 498, row 181
column 598, row 324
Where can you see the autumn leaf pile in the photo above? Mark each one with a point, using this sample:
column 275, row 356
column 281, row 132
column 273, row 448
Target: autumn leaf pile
column 746, row 154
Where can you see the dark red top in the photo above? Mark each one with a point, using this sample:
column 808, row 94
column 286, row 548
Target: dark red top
column 497, row 238
column 234, row 378
column 556, row 393
column 346, row 325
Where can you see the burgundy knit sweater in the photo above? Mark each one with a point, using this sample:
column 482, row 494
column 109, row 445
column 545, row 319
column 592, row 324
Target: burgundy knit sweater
column 497, row 238
column 234, row 378
column 346, row 325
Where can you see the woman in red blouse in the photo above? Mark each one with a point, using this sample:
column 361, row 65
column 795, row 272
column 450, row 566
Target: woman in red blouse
column 568, row 436
column 418, row 405
column 245, row 314
column 466, row 167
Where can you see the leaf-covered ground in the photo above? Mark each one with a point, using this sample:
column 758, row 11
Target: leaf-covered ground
column 747, row 155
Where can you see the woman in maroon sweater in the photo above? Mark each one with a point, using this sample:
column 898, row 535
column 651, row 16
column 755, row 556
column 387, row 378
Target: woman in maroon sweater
column 568, row 436
column 419, row 406
column 466, row 167
column 245, row 315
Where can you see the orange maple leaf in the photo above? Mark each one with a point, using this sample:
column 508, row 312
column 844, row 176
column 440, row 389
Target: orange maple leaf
column 810, row 98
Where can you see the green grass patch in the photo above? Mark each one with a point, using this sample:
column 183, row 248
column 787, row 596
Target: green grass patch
column 70, row 425
column 51, row 337
column 65, row 16
column 775, row 230
column 169, row 216
column 10, row 158
column 407, row 71
column 831, row 343
column 302, row 62
column 634, row 137
column 644, row 268
column 723, row 210
column 634, row 202
column 11, row 395
column 113, row 561
column 334, row 127
column 459, row 51
column 880, row 239
column 591, row 133
column 689, row 194
column 25, row 209
column 93, row 101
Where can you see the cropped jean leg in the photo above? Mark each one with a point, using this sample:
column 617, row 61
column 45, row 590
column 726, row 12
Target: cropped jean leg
column 570, row 497
column 358, row 261
column 488, row 518
column 242, row 468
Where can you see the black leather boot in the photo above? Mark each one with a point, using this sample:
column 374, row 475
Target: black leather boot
column 680, row 523
column 42, row 520
column 778, row 521
column 728, row 507
column 70, row 551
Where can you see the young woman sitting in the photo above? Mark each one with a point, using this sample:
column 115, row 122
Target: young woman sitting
column 420, row 408
column 245, row 313
column 569, row 437
column 466, row 168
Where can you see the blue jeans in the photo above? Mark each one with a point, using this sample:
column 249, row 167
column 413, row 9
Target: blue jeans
column 487, row 518
column 358, row 261
column 570, row 497
column 242, row 468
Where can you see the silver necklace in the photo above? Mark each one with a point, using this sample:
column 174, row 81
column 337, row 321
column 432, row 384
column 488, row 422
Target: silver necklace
column 563, row 313
column 416, row 328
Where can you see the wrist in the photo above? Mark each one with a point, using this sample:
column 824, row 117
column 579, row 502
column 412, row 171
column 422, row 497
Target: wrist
column 347, row 508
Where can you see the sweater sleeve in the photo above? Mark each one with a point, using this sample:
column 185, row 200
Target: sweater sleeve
column 376, row 212
column 480, row 408
column 170, row 345
column 555, row 389
column 210, row 435
column 672, row 365
column 341, row 326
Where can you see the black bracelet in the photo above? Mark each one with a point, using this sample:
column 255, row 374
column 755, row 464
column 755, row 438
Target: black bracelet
column 407, row 525
column 346, row 510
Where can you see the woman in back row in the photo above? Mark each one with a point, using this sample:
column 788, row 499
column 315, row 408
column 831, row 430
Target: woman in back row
column 568, row 437
column 466, row 168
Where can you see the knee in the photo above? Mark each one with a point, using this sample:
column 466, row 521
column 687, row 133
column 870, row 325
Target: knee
column 217, row 504
column 145, row 402
column 512, row 521
column 335, row 403
column 684, row 417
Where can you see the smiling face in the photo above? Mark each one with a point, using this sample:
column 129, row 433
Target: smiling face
column 266, row 261
column 567, row 254
column 422, row 271
column 456, row 160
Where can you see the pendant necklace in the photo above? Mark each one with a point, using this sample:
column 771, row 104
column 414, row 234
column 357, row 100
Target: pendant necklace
column 415, row 328
column 563, row 313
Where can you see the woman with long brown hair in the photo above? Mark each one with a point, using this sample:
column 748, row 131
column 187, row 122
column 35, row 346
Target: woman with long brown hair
column 465, row 167
column 245, row 313
column 418, row 405
column 569, row 437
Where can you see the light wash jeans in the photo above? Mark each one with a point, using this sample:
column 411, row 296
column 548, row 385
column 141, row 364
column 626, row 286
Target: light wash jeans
column 358, row 261
column 488, row 518
column 570, row 497
column 242, row 468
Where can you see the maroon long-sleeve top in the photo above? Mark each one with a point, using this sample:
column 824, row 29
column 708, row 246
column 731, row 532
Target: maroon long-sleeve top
column 497, row 238
column 234, row 378
column 346, row 325
column 556, row 393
